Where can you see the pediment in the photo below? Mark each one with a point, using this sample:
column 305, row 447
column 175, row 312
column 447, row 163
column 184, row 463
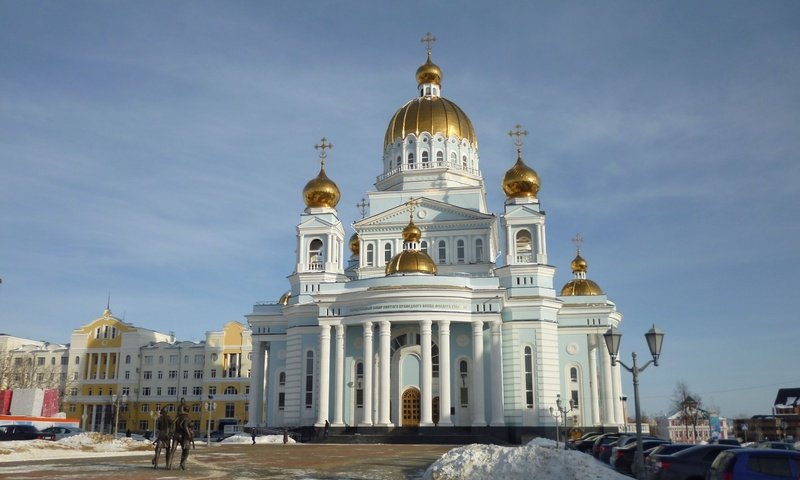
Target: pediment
column 523, row 211
column 426, row 212
column 311, row 222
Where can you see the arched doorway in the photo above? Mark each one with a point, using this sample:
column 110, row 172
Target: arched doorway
column 411, row 407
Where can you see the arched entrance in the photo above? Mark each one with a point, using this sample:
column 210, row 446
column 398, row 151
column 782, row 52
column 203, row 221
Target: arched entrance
column 411, row 407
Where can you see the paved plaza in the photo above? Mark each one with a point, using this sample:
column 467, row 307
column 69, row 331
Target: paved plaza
column 297, row 461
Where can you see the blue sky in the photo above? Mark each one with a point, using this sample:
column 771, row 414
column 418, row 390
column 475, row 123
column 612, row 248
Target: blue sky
column 158, row 150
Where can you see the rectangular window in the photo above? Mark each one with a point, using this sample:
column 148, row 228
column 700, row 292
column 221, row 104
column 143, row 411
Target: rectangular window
column 172, row 391
column 148, row 359
column 146, row 391
column 575, row 398
column 147, row 374
column 40, row 361
column 184, row 391
column 198, row 374
column 197, row 390
column 198, row 359
column 127, row 374
column 464, row 397
column 281, row 400
column 309, row 380
column 158, row 391
column 173, row 359
column 126, row 390
column 173, row 374
column 212, row 390
column 230, row 410
column 72, row 408
column 196, row 407
column 143, row 425
column 64, row 360
column 213, row 373
column 160, row 375
column 185, row 374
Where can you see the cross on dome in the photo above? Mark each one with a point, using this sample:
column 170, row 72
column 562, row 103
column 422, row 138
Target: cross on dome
column 322, row 146
column 411, row 204
column 428, row 39
column 362, row 206
column 519, row 133
column 578, row 240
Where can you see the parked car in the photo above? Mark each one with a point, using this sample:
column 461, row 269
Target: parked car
column 755, row 464
column 776, row 445
column 725, row 441
column 689, row 464
column 571, row 442
column 625, row 440
column 665, row 449
column 23, row 432
column 601, row 440
column 63, row 432
column 623, row 458
column 585, row 445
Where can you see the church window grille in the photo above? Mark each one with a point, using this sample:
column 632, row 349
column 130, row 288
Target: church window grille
column 439, row 158
column 478, row 250
column 315, row 254
column 442, row 252
column 460, row 251
column 387, row 252
column 370, row 255
column 309, row 379
column 425, row 159
column 528, row 364
column 411, row 161
column 464, row 389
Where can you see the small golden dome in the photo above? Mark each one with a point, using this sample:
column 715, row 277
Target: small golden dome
column 411, row 261
column 521, row 181
column 321, row 191
column 429, row 72
column 579, row 264
column 581, row 287
column 284, row 300
column 411, row 233
column 355, row 244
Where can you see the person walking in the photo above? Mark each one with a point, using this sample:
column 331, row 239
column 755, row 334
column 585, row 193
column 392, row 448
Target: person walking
column 253, row 434
column 327, row 427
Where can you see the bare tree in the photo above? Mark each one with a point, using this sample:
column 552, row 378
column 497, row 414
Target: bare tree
column 688, row 405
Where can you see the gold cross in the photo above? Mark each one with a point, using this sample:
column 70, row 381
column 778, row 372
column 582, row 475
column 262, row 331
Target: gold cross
column 322, row 146
column 519, row 133
column 577, row 241
column 428, row 39
column 362, row 205
column 411, row 204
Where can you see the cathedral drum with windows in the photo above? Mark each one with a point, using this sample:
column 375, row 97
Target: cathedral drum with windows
column 419, row 326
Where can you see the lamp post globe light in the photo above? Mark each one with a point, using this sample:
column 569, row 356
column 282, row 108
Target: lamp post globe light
column 655, row 339
column 560, row 414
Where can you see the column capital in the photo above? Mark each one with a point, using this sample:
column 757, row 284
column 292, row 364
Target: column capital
column 477, row 327
column 367, row 325
column 443, row 323
column 425, row 325
column 339, row 330
column 325, row 330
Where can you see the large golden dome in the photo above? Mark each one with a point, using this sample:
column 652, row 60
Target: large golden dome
column 521, row 181
column 433, row 115
column 411, row 261
column 321, row 191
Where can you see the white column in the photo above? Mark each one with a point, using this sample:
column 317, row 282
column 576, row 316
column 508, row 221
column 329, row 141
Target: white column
column 94, row 416
column 324, row 373
column 593, row 380
column 498, row 415
column 97, row 366
column 367, row 420
column 426, row 375
column 386, row 333
column 338, row 405
column 108, row 365
column 255, row 414
column 478, row 409
column 444, row 373
column 617, row 388
column 608, row 393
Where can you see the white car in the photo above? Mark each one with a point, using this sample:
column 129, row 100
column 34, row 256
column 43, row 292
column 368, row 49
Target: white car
column 63, row 432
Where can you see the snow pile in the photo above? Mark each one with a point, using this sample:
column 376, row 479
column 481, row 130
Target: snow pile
column 539, row 459
column 245, row 438
column 83, row 445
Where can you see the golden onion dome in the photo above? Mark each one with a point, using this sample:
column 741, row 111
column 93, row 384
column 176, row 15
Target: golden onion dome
column 521, row 181
column 355, row 244
column 411, row 233
column 321, row 191
column 433, row 115
column 581, row 287
column 411, row 261
column 429, row 72
column 579, row 264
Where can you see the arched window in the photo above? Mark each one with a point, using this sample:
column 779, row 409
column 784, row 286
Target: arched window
column 411, row 161
column 478, row 250
column 230, row 391
column 77, row 360
column 399, row 161
column 460, row 251
column 523, row 246
column 464, row 161
column 423, row 246
column 425, row 159
column 282, row 378
column 453, row 159
column 370, row 255
column 360, row 385
column 315, row 254
column 464, row 389
column 442, row 252
column 528, row 365
column 127, row 359
column 387, row 252
column 439, row 158
column 309, row 379
column 573, row 374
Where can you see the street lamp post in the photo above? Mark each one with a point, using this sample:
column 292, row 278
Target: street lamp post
column 209, row 408
column 115, row 401
column 562, row 414
column 556, row 414
column 655, row 339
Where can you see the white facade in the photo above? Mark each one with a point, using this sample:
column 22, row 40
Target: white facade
column 477, row 344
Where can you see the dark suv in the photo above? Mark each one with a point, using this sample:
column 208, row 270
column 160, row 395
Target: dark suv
column 23, row 432
column 755, row 464
column 689, row 464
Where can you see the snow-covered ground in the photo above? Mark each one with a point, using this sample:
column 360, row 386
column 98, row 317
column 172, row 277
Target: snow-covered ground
column 539, row 459
column 98, row 445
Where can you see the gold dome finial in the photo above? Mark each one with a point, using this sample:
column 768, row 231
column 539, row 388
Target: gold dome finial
column 412, row 233
column 580, row 285
column 520, row 180
column 411, row 260
column 429, row 72
column 321, row 191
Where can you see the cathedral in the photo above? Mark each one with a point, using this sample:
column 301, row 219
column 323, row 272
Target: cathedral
column 434, row 312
